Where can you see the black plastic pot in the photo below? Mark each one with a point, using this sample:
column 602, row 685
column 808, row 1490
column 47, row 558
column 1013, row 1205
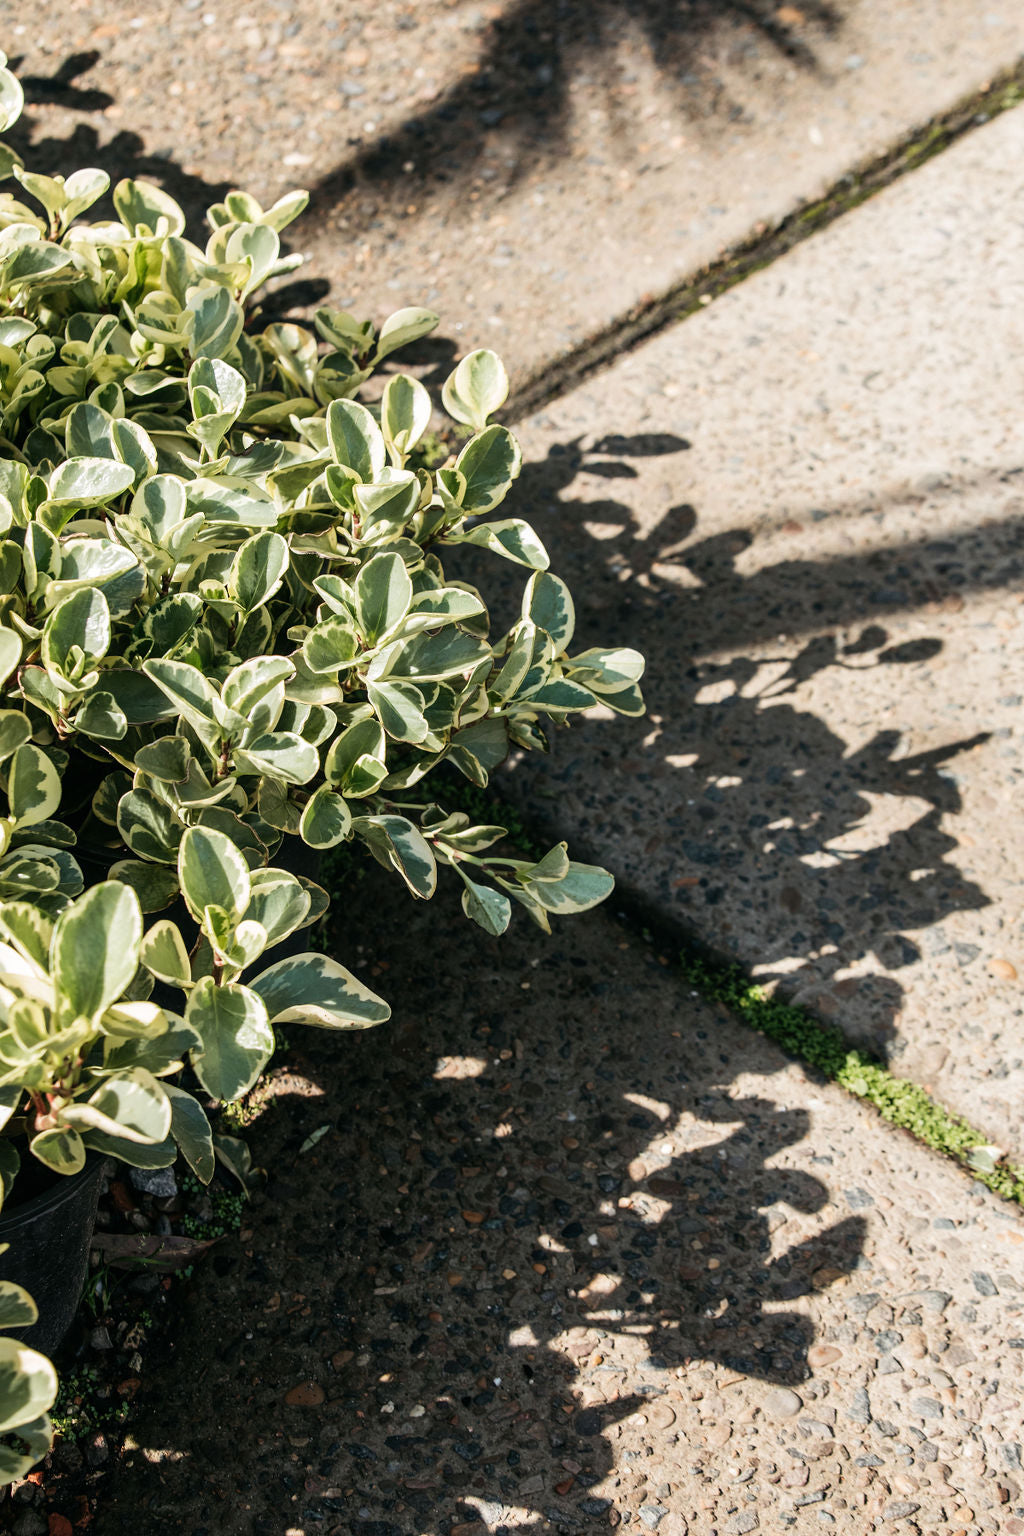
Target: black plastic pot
column 49, row 1237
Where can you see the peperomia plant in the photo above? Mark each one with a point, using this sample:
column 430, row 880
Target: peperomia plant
column 227, row 635
column 226, row 630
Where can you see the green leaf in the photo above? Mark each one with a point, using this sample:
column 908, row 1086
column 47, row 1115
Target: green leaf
column 30, row 931
column 397, row 844
column 235, row 1155
column 217, row 320
column 12, row 101
column 312, row 989
column 583, row 887
column 133, row 1106
column 258, row 681
column 624, row 701
column 489, row 464
column 164, row 954
column 547, row 604
column 326, row 819
column 488, row 908
column 212, row 873
column 191, row 1129
column 88, row 482
column 90, row 432
column 10, row 652
column 280, row 903
column 10, row 1157
column 149, row 826
column 399, row 707
column 138, row 1154
column 91, row 970
column 560, row 694
column 166, row 759
column 236, row 1038
column 60, row 1148
column 353, row 746
column 403, row 327
column 33, row 785
column 100, row 718
column 332, row 643
column 192, row 694
column 17, row 1309
column 258, row 570
column 404, row 414
column 509, row 537
column 146, row 209
column 476, row 389
column 430, row 658
column 28, row 1385
column 607, row 671
column 281, row 754
column 15, row 731
column 155, row 885
column 386, row 507
column 355, row 438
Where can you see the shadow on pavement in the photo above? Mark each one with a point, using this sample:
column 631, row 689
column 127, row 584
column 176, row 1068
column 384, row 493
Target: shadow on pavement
column 511, row 116
column 756, row 812
column 544, row 1197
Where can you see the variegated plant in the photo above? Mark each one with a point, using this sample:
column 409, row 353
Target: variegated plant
column 28, row 1387
column 225, row 624
column 226, row 632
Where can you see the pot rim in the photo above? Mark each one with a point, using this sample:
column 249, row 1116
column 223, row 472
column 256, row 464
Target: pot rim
column 13, row 1218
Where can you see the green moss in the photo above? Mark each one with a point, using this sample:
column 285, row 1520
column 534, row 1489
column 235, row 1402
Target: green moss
column 896, row 1099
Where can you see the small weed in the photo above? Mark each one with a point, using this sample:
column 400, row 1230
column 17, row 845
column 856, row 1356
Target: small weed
column 227, row 1211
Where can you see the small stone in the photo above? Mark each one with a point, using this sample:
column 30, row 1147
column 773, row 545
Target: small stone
column 823, row 1354
column 308, row 1394
column 984, row 1284
column 900, row 1509
column 859, row 1411
column 341, row 1358
column 782, row 1403
column 28, row 1522
column 1003, row 969
column 154, row 1181
column 96, row 1450
column 473, row 1218
column 742, row 1523
column 717, row 1436
column 60, row 1525
column 661, row 1415
column 652, row 1515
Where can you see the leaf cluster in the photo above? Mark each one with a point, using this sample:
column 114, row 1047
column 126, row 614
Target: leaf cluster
column 226, row 632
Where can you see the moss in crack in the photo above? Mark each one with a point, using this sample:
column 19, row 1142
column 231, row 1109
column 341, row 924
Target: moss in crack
column 901, row 1102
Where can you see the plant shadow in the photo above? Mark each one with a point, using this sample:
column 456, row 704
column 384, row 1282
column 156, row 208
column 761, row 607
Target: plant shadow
column 496, row 1254
column 751, row 835
column 511, row 115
